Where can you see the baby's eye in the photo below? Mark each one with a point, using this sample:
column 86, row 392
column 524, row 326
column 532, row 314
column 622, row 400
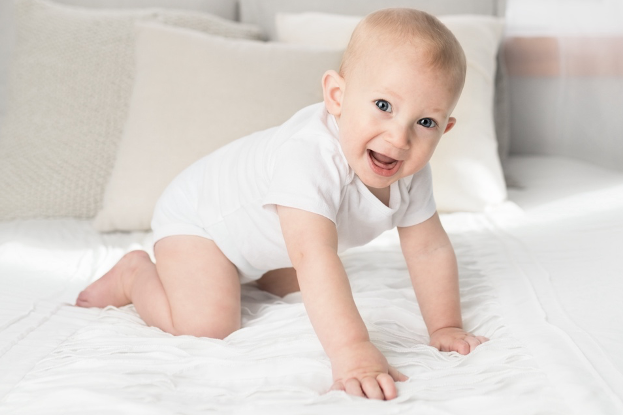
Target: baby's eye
column 427, row 122
column 384, row 105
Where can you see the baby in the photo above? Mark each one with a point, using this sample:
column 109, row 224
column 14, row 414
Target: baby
column 278, row 206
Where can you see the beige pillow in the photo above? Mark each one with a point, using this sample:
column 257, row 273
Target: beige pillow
column 72, row 77
column 193, row 94
column 467, row 173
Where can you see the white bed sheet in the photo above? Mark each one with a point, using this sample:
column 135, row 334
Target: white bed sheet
column 542, row 277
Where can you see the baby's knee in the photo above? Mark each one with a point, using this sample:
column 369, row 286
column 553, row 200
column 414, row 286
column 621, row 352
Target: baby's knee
column 138, row 255
column 135, row 259
column 214, row 331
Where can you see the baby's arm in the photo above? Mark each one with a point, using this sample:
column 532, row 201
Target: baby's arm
column 433, row 270
column 357, row 365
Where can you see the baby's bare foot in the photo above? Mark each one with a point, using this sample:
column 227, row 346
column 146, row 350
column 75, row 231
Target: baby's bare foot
column 113, row 288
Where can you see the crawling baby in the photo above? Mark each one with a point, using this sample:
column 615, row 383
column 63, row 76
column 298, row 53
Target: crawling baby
column 278, row 206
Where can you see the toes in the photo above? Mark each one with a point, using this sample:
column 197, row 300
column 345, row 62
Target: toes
column 80, row 300
column 83, row 304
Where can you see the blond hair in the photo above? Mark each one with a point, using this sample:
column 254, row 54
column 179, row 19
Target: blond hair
column 388, row 28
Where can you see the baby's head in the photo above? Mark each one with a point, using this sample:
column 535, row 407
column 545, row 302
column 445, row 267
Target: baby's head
column 398, row 83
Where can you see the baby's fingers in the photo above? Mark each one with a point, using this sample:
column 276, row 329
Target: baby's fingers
column 371, row 388
column 353, row 387
column 459, row 345
column 396, row 374
column 338, row 386
column 379, row 388
column 468, row 344
column 387, row 386
column 473, row 342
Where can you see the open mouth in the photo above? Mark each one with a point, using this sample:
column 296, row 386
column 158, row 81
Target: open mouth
column 382, row 164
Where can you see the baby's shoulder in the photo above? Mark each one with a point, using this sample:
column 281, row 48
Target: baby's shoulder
column 313, row 159
column 308, row 147
column 314, row 143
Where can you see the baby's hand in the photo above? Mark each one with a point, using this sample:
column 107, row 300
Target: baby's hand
column 455, row 339
column 361, row 370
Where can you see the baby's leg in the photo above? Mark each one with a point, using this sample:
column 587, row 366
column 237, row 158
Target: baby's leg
column 193, row 289
column 279, row 282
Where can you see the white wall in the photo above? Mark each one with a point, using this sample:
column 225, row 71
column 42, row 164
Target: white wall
column 575, row 107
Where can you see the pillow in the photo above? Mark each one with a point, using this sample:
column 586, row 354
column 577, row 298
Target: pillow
column 71, row 81
column 467, row 173
column 224, row 8
column 194, row 93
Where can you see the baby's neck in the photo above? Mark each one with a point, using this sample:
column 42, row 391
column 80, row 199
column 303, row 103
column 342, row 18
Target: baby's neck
column 383, row 194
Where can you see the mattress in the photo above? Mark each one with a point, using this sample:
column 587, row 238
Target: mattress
column 540, row 275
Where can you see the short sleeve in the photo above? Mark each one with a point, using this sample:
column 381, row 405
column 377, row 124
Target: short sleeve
column 421, row 205
column 307, row 173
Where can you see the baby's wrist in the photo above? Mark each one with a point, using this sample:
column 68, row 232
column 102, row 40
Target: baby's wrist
column 346, row 346
column 442, row 329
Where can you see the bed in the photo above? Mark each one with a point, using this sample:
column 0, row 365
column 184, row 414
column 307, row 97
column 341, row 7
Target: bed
column 540, row 275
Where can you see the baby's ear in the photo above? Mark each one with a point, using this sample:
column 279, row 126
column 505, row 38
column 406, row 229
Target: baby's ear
column 450, row 124
column 333, row 89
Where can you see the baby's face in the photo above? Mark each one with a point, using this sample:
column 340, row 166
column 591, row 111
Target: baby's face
column 392, row 114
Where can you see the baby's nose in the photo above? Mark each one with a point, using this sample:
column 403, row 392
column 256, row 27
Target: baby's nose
column 399, row 137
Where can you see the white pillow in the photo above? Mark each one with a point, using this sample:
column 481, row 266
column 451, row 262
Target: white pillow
column 467, row 173
column 194, row 93
column 71, row 81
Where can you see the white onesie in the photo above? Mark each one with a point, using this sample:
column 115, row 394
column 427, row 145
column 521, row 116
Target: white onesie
column 230, row 195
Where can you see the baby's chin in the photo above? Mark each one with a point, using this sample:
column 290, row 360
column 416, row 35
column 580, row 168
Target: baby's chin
column 375, row 181
column 372, row 180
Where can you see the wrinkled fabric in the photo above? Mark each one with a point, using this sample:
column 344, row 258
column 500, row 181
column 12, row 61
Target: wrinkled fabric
column 58, row 358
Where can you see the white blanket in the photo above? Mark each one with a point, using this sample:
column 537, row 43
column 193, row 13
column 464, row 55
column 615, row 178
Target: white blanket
column 541, row 277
